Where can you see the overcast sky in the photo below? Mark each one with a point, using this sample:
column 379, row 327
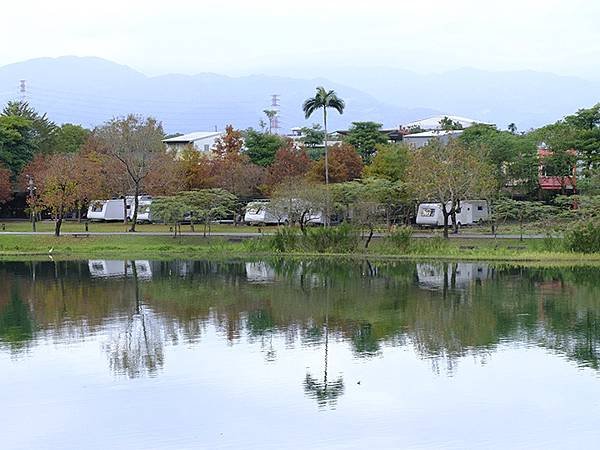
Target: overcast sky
column 279, row 36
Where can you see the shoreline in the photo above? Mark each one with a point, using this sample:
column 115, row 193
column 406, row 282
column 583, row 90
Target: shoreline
column 42, row 247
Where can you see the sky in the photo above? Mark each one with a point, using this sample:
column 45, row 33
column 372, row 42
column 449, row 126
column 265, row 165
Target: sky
column 239, row 37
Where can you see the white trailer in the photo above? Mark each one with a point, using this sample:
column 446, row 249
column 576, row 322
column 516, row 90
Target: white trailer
column 109, row 210
column 261, row 213
column 469, row 212
column 144, row 212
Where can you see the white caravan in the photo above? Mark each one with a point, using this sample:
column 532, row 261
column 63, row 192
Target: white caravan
column 260, row 213
column 470, row 212
column 144, row 213
column 108, row 210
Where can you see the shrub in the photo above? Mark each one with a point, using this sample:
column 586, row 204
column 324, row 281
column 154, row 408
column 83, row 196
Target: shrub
column 284, row 240
column 584, row 238
column 400, row 238
column 340, row 239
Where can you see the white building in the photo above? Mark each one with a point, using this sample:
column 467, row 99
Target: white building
column 417, row 140
column 434, row 123
column 202, row 141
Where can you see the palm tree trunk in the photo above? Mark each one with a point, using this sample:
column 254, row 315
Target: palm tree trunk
column 326, row 167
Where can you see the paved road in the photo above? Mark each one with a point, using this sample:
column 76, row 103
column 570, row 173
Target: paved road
column 236, row 236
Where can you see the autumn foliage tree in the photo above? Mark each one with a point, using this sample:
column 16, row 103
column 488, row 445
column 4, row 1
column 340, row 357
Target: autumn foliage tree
column 290, row 162
column 345, row 164
column 5, row 184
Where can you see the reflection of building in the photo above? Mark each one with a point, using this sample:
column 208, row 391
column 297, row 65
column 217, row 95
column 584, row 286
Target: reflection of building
column 259, row 272
column 458, row 275
column 108, row 269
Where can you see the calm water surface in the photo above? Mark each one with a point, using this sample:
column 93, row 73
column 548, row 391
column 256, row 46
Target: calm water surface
column 281, row 354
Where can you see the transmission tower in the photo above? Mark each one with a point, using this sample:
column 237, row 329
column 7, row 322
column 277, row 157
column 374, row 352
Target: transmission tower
column 23, row 90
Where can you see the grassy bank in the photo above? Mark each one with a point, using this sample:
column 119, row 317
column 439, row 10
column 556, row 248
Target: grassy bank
column 160, row 247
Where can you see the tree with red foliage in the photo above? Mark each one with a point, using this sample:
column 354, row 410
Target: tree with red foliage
column 5, row 184
column 345, row 164
column 290, row 162
column 230, row 143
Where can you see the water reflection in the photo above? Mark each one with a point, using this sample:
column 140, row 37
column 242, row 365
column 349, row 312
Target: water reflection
column 443, row 311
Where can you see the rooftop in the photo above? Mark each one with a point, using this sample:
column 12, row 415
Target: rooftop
column 434, row 133
column 432, row 123
column 191, row 137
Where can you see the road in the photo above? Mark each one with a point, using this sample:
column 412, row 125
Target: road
column 236, row 236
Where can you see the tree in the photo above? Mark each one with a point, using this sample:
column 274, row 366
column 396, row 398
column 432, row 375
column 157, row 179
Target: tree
column 231, row 142
column 390, row 162
column 165, row 176
column 271, row 114
column 134, row 142
column 261, row 147
column 16, row 145
column 448, row 124
column 42, row 131
column 345, row 164
column 365, row 137
column 324, row 100
column 290, row 162
column 448, row 174
column 509, row 209
column 196, row 169
column 70, row 138
column 59, row 190
column 312, row 136
column 300, row 201
column 207, row 205
column 512, row 128
column 6, row 191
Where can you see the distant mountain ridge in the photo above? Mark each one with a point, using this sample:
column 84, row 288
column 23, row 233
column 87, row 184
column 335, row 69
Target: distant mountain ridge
column 90, row 90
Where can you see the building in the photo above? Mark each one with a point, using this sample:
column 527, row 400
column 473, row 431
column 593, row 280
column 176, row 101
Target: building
column 202, row 141
column 547, row 182
column 435, row 123
column 418, row 140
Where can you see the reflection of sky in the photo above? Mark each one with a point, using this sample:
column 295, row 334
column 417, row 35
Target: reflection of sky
column 214, row 395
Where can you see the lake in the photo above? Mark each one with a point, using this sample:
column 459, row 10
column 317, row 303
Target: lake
column 298, row 354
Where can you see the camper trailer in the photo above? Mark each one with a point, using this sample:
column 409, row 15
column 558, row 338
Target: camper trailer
column 144, row 214
column 259, row 212
column 470, row 212
column 108, row 210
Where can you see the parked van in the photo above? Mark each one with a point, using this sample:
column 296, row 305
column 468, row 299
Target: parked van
column 469, row 212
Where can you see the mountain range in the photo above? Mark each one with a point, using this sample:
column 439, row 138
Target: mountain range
column 89, row 91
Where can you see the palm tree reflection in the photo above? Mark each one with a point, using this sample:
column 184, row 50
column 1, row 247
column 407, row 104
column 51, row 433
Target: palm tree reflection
column 325, row 392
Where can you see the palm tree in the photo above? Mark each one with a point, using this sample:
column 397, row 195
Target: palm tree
column 512, row 127
column 324, row 99
column 270, row 113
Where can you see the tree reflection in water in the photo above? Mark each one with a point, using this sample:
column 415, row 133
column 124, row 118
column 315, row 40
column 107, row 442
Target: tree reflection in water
column 138, row 347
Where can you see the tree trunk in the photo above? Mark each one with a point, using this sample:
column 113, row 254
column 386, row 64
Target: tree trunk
column 125, row 209
column 446, row 216
column 135, row 207
column 369, row 237
column 58, row 224
column 454, row 221
column 326, row 221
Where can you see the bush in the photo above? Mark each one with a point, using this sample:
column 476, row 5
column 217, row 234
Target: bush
column 400, row 238
column 584, row 238
column 340, row 239
column 284, row 240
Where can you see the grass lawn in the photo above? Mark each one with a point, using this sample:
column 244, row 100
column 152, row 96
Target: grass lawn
column 547, row 251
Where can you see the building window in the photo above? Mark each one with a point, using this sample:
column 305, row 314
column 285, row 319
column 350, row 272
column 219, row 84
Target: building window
column 206, row 147
column 480, row 208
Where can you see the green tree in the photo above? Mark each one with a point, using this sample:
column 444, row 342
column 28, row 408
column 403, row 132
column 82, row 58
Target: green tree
column 365, row 137
column 262, row 147
column 448, row 124
column 16, row 145
column 390, row 162
column 70, row 138
column 324, row 100
column 42, row 130
column 312, row 137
